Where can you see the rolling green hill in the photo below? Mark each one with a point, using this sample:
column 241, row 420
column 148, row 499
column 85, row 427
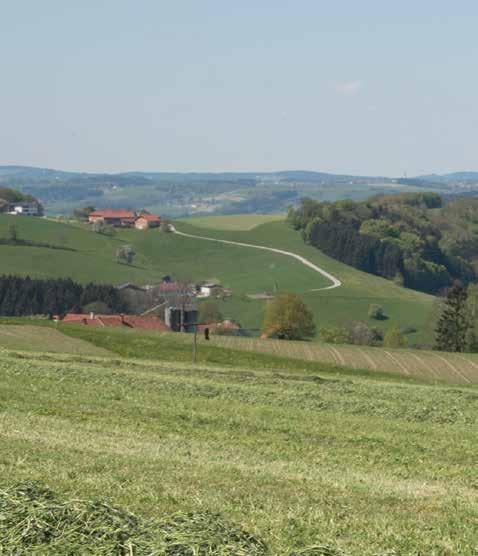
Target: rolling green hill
column 298, row 455
column 245, row 270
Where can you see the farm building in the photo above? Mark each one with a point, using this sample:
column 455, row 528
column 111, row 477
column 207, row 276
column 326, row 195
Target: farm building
column 149, row 322
column 122, row 218
column 181, row 319
column 29, row 208
column 210, row 289
column 145, row 221
column 113, row 217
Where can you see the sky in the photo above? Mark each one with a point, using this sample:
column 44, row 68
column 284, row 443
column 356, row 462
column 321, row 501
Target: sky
column 369, row 87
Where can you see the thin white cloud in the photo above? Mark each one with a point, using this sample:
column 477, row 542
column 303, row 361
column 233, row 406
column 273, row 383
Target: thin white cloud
column 349, row 88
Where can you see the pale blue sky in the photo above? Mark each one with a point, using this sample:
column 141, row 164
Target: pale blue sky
column 351, row 86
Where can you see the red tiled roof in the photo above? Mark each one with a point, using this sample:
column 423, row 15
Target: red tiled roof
column 113, row 213
column 149, row 322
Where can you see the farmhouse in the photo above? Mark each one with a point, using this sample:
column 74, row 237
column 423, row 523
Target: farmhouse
column 145, row 221
column 149, row 322
column 114, row 217
column 122, row 218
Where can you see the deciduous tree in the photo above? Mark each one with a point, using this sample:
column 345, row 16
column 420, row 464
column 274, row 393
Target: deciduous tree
column 287, row 317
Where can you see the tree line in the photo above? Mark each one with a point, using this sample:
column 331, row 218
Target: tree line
column 397, row 237
column 25, row 296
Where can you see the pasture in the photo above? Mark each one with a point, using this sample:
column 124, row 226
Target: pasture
column 235, row 222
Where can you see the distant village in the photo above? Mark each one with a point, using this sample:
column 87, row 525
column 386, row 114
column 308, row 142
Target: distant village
column 168, row 306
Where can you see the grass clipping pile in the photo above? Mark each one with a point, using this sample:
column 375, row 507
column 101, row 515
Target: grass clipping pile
column 35, row 521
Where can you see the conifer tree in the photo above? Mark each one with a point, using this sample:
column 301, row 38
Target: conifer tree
column 454, row 323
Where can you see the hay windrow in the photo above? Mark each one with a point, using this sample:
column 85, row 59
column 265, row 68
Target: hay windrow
column 33, row 520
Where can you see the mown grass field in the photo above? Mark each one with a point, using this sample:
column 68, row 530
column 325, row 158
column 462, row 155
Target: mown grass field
column 33, row 337
column 421, row 365
column 300, row 456
column 244, row 270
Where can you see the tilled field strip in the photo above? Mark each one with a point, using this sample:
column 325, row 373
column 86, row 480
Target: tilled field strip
column 428, row 365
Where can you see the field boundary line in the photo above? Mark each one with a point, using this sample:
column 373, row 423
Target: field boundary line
column 336, row 283
column 368, row 358
column 420, row 360
column 472, row 363
column 453, row 368
column 399, row 363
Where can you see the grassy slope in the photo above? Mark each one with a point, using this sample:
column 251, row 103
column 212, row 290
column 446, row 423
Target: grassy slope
column 350, row 301
column 245, row 270
column 362, row 465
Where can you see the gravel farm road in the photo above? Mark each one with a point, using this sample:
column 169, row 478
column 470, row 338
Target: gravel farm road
column 335, row 281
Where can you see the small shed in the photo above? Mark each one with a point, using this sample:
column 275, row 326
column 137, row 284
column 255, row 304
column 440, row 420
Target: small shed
column 210, row 290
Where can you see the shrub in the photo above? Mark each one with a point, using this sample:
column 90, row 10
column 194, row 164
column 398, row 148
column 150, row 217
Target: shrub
column 335, row 335
column 360, row 333
column 394, row 338
column 376, row 312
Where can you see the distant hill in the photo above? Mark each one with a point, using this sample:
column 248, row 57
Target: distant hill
column 452, row 178
column 196, row 193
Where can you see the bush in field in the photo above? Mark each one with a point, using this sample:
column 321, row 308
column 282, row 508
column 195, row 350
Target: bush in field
column 288, row 318
column 335, row 335
column 101, row 228
column 394, row 338
column 125, row 254
column 360, row 333
column 376, row 312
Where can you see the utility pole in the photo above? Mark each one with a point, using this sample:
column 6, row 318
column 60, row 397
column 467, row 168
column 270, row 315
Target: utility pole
column 195, row 343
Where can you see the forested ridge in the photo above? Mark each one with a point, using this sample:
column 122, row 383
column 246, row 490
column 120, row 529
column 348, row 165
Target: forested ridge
column 410, row 238
column 21, row 296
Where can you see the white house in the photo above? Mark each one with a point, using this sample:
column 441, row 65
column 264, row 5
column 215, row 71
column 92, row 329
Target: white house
column 26, row 209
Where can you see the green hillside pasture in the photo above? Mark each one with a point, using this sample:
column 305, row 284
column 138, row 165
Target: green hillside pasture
column 93, row 259
column 420, row 364
column 297, row 459
column 234, row 221
column 43, row 338
column 403, row 306
column 245, row 270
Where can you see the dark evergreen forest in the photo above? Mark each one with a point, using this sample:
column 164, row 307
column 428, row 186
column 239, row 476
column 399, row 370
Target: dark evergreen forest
column 20, row 296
